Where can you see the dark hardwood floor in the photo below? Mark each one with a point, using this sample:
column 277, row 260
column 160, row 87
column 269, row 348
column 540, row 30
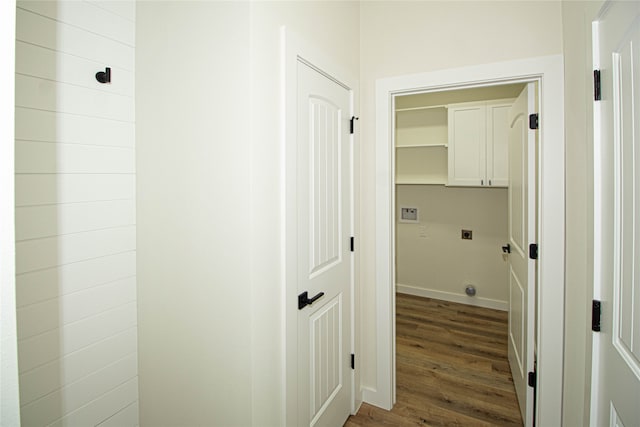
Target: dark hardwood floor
column 452, row 368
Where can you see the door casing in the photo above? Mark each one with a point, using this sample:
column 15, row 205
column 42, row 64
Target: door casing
column 548, row 72
column 293, row 50
column 9, row 386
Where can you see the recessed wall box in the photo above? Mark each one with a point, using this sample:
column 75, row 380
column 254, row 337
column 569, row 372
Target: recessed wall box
column 408, row 214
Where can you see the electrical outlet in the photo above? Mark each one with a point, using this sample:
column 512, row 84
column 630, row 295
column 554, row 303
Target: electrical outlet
column 467, row 234
column 422, row 231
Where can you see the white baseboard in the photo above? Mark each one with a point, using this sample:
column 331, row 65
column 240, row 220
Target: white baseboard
column 375, row 398
column 448, row 296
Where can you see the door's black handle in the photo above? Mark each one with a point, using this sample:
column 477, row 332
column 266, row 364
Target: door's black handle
column 303, row 299
column 507, row 249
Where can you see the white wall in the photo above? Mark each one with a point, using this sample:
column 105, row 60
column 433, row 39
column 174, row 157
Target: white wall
column 576, row 19
column 209, row 203
column 436, row 262
column 399, row 38
column 9, row 396
column 194, row 243
column 75, row 214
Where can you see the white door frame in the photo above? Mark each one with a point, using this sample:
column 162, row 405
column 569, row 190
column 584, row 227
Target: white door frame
column 548, row 71
column 293, row 48
column 10, row 403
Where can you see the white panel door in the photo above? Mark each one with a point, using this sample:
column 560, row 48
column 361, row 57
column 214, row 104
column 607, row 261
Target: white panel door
column 522, row 174
column 616, row 357
column 324, row 265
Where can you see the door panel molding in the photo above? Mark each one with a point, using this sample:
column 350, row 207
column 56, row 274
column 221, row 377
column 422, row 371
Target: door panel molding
column 516, row 331
column 326, row 375
column 326, row 197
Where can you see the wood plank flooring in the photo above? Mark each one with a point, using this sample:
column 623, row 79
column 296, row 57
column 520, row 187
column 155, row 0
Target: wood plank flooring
column 452, row 368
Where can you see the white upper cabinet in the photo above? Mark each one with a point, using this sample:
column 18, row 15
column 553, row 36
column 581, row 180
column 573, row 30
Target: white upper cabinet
column 478, row 150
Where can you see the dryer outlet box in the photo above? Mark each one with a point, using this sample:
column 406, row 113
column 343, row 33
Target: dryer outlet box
column 408, row 214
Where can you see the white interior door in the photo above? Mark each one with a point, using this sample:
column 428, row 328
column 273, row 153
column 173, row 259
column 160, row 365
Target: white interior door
column 616, row 349
column 324, row 264
column 522, row 174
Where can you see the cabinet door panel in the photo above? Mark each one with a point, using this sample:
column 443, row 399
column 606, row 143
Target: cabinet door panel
column 497, row 146
column 467, row 145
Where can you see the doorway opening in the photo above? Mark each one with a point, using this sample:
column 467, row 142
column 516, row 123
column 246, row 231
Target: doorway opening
column 461, row 211
column 547, row 73
column 452, row 245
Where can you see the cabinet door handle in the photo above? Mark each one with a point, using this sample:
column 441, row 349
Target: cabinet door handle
column 482, row 182
column 489, row 182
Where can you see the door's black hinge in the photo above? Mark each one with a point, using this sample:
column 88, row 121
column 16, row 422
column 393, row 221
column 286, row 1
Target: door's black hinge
column 596, row 310
column 597, row 90
column 353, row 361
column 531, row 380
column 351, row 125
column 352, row 243
column 533, row 251
column 533, row 121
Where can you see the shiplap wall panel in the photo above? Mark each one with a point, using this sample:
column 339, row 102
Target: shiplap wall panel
column 49, row 346
column 45, row 379
column 128, row 417
column 84, row 15
column 124, row 9
column 34, row 222
column 47, row 315
column 47, row 157
column 55, row 405
column 71, row 129
column 49, row 252
column 44, row 189
column 37, row 286
column 75, row 213
column 41, row 94
column 100, row 410
column 37, row 61
column 46, row 32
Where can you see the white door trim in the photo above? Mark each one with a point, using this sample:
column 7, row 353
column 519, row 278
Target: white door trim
column 10, row 402
column 294, row 49
column 548, row 71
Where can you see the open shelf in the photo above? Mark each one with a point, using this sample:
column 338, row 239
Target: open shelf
column 419, row 180
column 421, row 127
column 428, row 107
column 421, row 145
column 421, row 165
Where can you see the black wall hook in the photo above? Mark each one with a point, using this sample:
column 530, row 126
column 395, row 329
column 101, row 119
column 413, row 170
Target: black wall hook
column 104, row 76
